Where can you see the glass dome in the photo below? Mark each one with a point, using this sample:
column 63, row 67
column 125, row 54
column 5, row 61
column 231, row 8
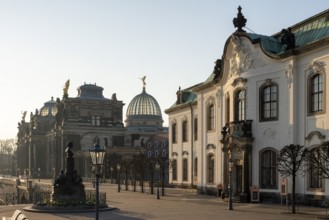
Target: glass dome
column 143, row 104
column 49, row 108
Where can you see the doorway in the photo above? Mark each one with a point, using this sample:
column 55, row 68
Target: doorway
column 238, row 179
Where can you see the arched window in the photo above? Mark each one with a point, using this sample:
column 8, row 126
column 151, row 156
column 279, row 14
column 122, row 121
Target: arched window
column 315, row 177
column 174, row 169
column 174, row 132
column 211, row 168
column 185, row 170
column 211, row 117
column 184, row 131
column 268, row 169
column 316, row 99
column 240, row 100
column 269, row 102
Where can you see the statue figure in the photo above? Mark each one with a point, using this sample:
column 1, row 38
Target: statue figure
column 144, row 83
column 59, row 114
column 66, row 89
column 23, row 116
column 288, row 38
column 217, row 68
column 69, row 149
column 143, row 80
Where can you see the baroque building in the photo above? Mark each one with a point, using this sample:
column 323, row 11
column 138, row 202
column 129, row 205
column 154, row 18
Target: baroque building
column 265, row 92
column 85, row 119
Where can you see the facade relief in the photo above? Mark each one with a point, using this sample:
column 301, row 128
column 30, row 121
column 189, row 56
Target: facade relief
column 269, row 134
column 241, row 59
column 316, row 67
column 289, row 74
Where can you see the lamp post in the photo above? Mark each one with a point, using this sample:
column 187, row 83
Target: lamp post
column 230, row 205
column 157, row 169
column 39, row 173
column 118, row 176
column 97, row 156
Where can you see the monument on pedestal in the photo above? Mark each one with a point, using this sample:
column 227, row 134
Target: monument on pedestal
column 68, row 187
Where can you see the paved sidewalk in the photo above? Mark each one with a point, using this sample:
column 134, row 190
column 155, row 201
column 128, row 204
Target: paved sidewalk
column 177, row 204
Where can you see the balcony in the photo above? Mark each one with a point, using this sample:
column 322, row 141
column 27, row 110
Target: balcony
column 238, row 129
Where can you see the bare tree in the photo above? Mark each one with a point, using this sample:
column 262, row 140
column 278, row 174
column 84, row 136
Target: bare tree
column 7, row 146
column 319, row 157
column 290, row 160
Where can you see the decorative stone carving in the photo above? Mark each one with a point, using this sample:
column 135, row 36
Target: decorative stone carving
column 289, row 74
column 242, row 57
column 269, row 134
column 317, row 67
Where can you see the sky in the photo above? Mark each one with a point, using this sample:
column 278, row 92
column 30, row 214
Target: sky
column 113, row 43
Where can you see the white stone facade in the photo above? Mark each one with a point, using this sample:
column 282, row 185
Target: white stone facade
column 292, row 116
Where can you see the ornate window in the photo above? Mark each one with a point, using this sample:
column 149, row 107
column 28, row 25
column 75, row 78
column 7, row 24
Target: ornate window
column 211, row 117
column 269, row 102
column 174, row 132
column 211, row 168
column 268, row 169
column 240, row 105
column 184, row 131
column 185, row 170
column 315, row 177
column 316, row 89
column 195, row 132
column 174, row 169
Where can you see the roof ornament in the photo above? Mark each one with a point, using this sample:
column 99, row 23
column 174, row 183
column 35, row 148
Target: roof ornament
column 239, row 22
column 144, row 83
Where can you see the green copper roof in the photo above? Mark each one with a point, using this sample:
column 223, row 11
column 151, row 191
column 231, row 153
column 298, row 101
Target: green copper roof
column 312, row 31
column 307, row 32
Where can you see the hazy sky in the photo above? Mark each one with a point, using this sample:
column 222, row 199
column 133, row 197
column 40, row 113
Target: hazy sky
column 115, row 42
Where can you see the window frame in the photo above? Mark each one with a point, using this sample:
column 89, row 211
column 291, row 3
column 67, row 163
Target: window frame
column 95, row 121
column 211, row 168
column 211, row 117
column 184, row 131
column 195, row 128
column 174, row 169
column 315, row 180
column 174, row 132
column 271, row 101
column 185, row 170
column 268, row 169
column 312, row 94
column 239, row 112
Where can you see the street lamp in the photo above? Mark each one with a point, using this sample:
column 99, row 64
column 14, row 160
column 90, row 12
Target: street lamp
column 230, row 205
column 157, row 169
column 118, row 176
column 39, row 173
column 97, row 155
